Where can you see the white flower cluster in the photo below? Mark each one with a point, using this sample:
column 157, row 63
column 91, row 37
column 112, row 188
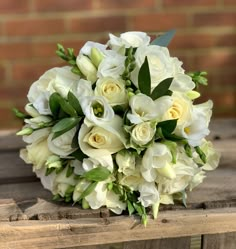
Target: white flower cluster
column 118, row 127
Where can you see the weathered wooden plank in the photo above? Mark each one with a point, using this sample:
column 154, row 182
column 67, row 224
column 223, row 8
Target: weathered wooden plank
column 97, row 231
column 13, row 168
column 173, row 243
column 40, row 209
column 9, row 141
column 219, row 241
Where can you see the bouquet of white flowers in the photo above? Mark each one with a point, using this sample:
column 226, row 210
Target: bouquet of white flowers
column 118, row 127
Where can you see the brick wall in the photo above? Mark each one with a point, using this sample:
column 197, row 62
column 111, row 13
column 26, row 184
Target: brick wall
column 30, row 29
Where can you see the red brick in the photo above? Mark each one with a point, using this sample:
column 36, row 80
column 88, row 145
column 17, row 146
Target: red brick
column 214, row 19
column 2, row 73
column 14, row 6
column 222, row 80
column 62, row 5
column 10, row 51
column 29, row 27
column 28, row 71
column 98, row 24
column 229, row 2
column 186, row 3
column 215, row 60
column 194, row 41
column 14, row 93
column 158, row 22
column 8, row 120
column 123, row 4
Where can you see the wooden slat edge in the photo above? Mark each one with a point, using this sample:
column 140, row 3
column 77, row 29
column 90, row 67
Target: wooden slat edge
column 95, row 231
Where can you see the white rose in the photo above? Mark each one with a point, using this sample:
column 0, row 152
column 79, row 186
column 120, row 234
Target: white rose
column 60, row 80
column 62, row 145
column 143, row 133
column 113, row 203
column 96, row 109
column 195, row 131
column 62, row 182
column 113, row 65
column 143, row 108
column 149, row 194
column 157, row 161
column 161, row 65
column 113, row 90
column 126, row 162
column 36, row 153
column 128, row 39
column 96, row 141
column 86, row 67
column 180, row 109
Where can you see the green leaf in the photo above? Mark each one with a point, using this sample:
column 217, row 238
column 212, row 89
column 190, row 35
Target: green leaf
column 174, row 137
column 67, row 108
column 162, row 89
column 69, row 171
column 168, row 126
column 54, row 104
column 74, row 102
column 144, row 78
column 97, row 174
column 138, row 208
column 88, row 190
column 130, row 207
column 78, row 154
column 64, row 125
column 188, row 150
column 164, row 39
column 60, row 47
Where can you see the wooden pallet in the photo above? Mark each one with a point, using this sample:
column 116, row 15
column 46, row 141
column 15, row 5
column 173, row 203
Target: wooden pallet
column 29, row 219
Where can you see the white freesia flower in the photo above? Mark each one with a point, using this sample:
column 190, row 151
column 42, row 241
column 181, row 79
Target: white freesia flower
column 79, row 189
column 113, row 65
column 62, row 145
column 58, row 79
column 128, row 39
column 184, row 170
column 113, row 90
column 126, row 162
column 196, row 180
column 62, row 182
column 113, row 203
column 182, row 83
column 97, row 198
column 161, row 65
column 104, row 161
column 86, row 49
column 212, row 156
column 149, row 194
column 97, row 141
column 143, row 108
column 38, row 121
column 195, row 131
column 86, row 67
column 37, row 136
column 31, row 110
column 47, row 181
column 96, row 109
column 84, row 89
column 157, row 161
column 143, row 133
